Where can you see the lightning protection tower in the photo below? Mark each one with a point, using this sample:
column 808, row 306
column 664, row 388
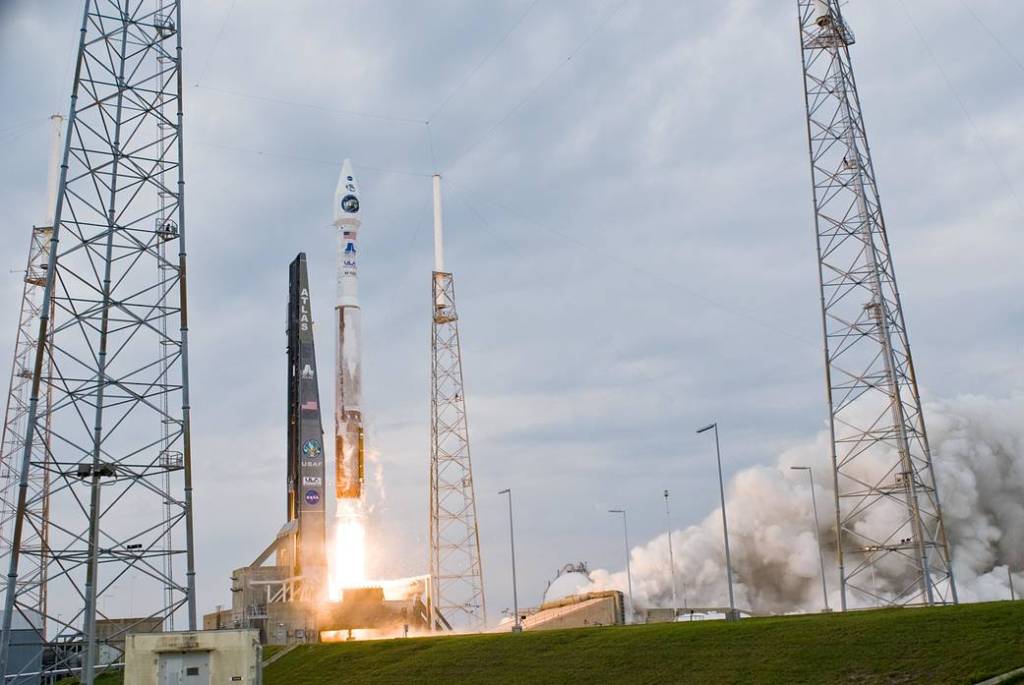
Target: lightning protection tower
column 32, row 581
column 457, row 584
column 117, row 464
column 892, row 543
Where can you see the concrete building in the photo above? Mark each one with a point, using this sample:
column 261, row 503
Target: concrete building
column 111, row 634
column 196, row 658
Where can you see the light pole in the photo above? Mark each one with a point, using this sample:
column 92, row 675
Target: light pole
column 671, row 559
column 817, row 531
column 629, row 573
column 516, row 626
column 725, row 523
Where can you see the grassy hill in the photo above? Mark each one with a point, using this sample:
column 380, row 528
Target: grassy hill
column 962, row 644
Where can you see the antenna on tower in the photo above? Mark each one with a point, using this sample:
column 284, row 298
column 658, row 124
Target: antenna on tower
column 116, row 496
column 456, row 575
column 880, row 454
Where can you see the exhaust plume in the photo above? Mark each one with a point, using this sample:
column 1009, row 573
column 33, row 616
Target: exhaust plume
column 978, row 454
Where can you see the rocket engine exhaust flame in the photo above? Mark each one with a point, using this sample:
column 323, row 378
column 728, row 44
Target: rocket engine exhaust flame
column 348, row 549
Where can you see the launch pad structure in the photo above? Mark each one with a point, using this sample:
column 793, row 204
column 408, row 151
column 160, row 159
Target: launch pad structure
column 288, row 601
column 875, row 413
column 104, row 490
column 95, row 457
column 456, row 571
column 15, row 428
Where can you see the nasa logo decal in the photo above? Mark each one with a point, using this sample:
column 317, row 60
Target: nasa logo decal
column 312, row 448
column 312, row 497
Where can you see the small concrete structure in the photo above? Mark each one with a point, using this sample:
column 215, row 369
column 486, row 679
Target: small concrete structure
column 606, row 608
column 194, row 658
column 26, row 649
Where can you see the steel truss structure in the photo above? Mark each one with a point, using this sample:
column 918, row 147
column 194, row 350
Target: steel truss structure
column 456, row 573
column 32, row 581
column 892, row 545
column 117, row 466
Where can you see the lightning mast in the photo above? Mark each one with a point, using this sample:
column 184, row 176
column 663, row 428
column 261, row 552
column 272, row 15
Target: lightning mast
column 118, row 489
column 15, row 429
column 887, row 505
column 456, row 574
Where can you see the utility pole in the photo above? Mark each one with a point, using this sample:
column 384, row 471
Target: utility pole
column 117, row 499
column 516, row 625
column 880, row 452
column 629, row 570
column 456, row 572
column 725, row 522
column 817, row 531
column 671, row 558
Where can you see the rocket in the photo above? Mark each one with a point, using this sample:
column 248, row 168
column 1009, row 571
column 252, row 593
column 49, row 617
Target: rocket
column 348, row 417
column 306, row 506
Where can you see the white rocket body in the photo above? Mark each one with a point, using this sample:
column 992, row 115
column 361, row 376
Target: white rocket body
column 348, row 418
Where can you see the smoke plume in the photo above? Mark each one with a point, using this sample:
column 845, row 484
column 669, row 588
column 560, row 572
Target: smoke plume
column 978, row 454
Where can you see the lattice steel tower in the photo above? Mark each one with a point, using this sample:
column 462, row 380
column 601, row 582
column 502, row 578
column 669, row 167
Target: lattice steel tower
column 892, row 543
column 32, row 581
column 117, row 466
column 456, row 574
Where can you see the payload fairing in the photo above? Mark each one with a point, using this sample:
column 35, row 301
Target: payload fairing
column 348, row 417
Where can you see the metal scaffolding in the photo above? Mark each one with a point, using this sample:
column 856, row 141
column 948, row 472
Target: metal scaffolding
column 32, row 581
column 887, row 505
column 117, row 499
column 457, row 584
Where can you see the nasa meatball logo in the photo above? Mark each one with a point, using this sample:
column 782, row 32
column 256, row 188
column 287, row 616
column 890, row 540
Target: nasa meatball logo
column 311, row 448
column 312, row 497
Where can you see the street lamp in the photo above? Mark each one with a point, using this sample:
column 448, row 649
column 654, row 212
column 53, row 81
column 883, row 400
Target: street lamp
column 725, row 524
column 516, row 626
column 817, row 530
column 629, row 573
column 671, row 559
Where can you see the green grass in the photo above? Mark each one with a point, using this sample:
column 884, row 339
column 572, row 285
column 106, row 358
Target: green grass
column 962, row 644
column 115, row 678
column 271, row 650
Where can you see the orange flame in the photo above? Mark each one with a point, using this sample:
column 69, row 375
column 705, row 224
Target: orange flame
column 348, row 553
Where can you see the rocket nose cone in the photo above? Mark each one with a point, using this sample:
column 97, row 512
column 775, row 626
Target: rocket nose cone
column 346, row 197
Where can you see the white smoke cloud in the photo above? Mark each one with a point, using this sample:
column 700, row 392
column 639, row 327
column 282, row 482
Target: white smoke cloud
column 978, row 452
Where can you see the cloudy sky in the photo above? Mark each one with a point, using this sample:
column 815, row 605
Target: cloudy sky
column 628, row 216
